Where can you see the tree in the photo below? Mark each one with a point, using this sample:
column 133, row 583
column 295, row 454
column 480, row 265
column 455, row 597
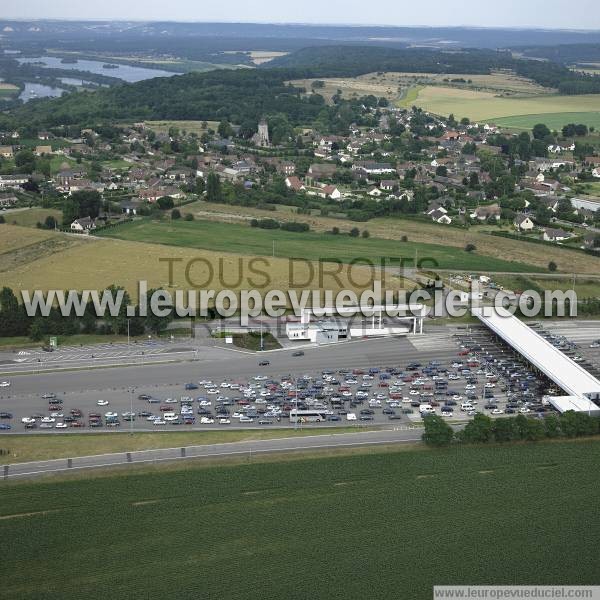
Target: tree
column 175, row 214
column 87, row 202
column 354, row 232
column 470, row 248
column 552, row 425
column 2, row 219
column 188, row 217
column 552, row 266
column 541, row 131
column 225, row 130
column 505, row 430
column 437, row 431
column 441, row 171
column 213, row 188
column 165, row 203
column 50, row 222
column 365, row 234
column 335, row 230
column 479, row 430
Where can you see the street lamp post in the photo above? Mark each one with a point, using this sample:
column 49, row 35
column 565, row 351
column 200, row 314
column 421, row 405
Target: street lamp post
column 131, row 417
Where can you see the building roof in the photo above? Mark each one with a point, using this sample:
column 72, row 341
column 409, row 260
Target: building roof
column 578, row 383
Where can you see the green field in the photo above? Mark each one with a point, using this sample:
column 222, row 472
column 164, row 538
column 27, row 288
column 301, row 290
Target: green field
column 510, row 111
column 32, row 216
column 554, row 121
column 374, row 525
column 242, row 239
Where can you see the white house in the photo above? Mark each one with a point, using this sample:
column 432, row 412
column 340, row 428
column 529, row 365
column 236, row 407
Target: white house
column 84, row 224
column 523, row 223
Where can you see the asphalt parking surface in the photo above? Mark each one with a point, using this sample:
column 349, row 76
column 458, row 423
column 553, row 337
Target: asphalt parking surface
column 121, row 387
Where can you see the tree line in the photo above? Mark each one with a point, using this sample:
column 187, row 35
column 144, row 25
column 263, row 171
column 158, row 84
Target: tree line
column 482, row 429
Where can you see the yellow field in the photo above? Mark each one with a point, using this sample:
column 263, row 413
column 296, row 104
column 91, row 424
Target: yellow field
column 478, row 105
column 33, row 259
column 7, row 86
column 392, row 85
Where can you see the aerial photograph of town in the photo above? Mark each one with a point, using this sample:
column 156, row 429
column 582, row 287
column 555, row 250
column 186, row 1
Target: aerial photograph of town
column 299, row 300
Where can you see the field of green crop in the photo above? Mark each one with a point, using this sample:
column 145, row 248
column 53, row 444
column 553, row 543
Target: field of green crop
column 554, row 121
column 243, row 239
column 375, row 525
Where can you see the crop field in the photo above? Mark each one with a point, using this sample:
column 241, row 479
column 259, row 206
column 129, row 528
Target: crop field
column 32, row 216
column 393, row 85
column 555, row 121
column 363, row 525
column 243, row 239
column 35, row 259
column 481, row 105
column 428, row 233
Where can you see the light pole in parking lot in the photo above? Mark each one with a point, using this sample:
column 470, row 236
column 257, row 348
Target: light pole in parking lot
column 131, row 417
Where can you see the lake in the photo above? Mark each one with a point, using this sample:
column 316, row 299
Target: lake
column 37, row 90
column 127, row 73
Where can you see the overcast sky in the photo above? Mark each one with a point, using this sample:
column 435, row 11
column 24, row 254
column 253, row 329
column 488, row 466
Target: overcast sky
column 576, row 14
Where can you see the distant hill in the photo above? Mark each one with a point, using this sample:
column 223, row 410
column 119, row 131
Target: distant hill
column 339, row 61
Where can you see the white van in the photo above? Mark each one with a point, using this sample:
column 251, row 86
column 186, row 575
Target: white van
column 426, row 409
column 466, row 407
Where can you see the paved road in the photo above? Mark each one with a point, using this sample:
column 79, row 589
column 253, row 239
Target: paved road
column 82, row 389
column 248, row 449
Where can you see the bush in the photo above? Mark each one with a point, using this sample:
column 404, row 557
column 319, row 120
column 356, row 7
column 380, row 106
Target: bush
column 354, row 232
column 188, row 217
column 2, row 219
column 175, row 214
column 437, row 431
column 552, row 266
column 365, row 234
column 265, row 223
column 470, row 248
column 165, row 203
column 335, row 230
column 294, row 226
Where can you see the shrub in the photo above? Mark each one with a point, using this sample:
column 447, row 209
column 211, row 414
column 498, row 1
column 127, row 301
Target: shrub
column 175, row 214
column 294, row 226
column 188, row 217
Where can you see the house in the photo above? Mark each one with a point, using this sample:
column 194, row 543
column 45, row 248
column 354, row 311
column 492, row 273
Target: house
column 6, row 151
column 375, row 192
column 293, row 183
column 12, row 181
column 371, row 167
column 440, row 216
column 388, row 184
column 321, row 171
column 129, row 207
column 286, row 168
column 8, row 201
column 325, row 191
column 523, row 223
column 483, row 213
column 41, row 150
column 596, row 172
column 84, row 224
column 555, row 235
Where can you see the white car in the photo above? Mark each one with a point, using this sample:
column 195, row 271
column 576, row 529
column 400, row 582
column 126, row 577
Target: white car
column 48, row 420
column 171, row 401
column 170, row 417
column 159, row 422
column 524, row 410
column 351, row 417
column 206, row 421
column 224, row 422
column 111, row 415
column 102, row 403
column 58, row 415
column 27, row 420
column 497, row 411
column 4, row 384
column 60, row 426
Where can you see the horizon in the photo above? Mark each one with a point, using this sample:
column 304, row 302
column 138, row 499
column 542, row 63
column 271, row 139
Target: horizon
column 579, row 15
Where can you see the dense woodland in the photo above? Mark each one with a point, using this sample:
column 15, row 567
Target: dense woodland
column 243, row 96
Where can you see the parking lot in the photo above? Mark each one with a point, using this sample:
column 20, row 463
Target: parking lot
column 470, row 372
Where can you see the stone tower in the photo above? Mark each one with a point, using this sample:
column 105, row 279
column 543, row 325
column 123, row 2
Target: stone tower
column 262, row 137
